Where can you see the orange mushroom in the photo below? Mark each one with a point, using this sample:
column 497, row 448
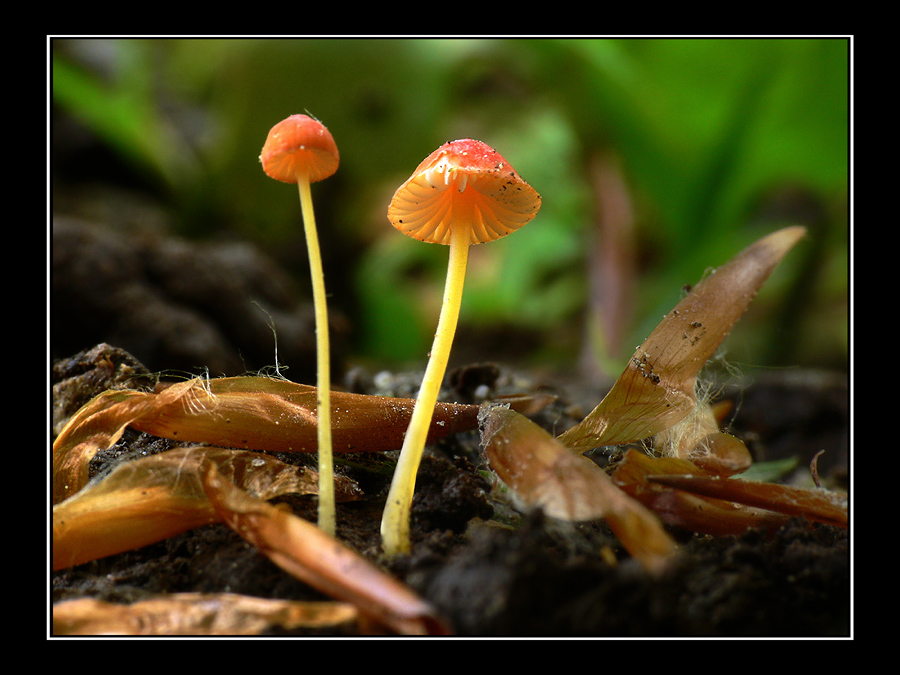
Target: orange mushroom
column 463, row 193
column 301, row 150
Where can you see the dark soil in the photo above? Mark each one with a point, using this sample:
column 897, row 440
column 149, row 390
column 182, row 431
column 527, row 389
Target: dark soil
column 492, row 571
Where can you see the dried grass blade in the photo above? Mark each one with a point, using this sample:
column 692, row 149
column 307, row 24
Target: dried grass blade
column 546, row 474
column 151, row 499
column 308, row 553
column 814, row 504
column 657, row 388
column 197, row 614
column 681, row 509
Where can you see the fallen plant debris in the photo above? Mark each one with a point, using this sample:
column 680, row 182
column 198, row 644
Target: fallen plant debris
column 669, row 487
column 546, row 474
column 198, row 614
column 259, row 413
column 658, row 387
column 820, row 505
column 310, row 554
column 656, row 397
column 640, row 497
column 152, row 498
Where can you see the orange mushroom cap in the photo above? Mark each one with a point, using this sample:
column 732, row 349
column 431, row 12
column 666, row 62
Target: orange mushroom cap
column 463, row 183
column 299, row 146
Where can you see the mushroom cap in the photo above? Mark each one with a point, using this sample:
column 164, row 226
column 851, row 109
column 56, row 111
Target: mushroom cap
column 299, row 146
column 463, row 183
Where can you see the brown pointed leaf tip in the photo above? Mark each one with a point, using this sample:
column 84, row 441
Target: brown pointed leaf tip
column 657, row 388
column 544, row 473
column 304, row 551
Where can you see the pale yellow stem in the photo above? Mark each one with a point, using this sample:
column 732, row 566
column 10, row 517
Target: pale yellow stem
column 395, row 520
column 327, row 515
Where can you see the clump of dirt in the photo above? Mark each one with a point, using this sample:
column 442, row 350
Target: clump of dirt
column 179, row 305
column 489, row 569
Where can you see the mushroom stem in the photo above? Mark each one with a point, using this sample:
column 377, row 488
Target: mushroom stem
column 327, row 517
column 395, row 520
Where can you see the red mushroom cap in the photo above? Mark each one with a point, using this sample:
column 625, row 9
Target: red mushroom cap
column 299, row 146
column 463, row 183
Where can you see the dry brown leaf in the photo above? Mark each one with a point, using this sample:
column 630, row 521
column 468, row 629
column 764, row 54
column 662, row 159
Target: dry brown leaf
column 153, row 498
column 657, row 388
column 254, row 413
column 311, row 555
column 675, row 507
column 722, row 454
column 97, row 424
column 813, row 504
column 197, row 614
column 259, row 413
column 546, row 474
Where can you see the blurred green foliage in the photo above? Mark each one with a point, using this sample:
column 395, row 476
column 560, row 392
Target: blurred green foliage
column 719, row 142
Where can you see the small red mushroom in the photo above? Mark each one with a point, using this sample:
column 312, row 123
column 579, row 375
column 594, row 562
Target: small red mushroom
column 301, row 150
column 463, row 193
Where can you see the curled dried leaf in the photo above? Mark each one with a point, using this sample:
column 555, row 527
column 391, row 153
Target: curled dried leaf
column 546, row 474
column 254, row 413
column 277, row 415
column 657, row 388
column 197, row 614
column 153, row 498
column 98, row 424
column 311, row 555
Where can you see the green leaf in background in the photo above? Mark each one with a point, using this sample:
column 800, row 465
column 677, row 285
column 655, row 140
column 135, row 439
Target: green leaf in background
column 124, row 112
column 708, row 130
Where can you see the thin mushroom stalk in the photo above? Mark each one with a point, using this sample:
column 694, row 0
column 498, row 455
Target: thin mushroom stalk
column 395, row 522
column 301, row 150
column 327, row 517
column 464, row 193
